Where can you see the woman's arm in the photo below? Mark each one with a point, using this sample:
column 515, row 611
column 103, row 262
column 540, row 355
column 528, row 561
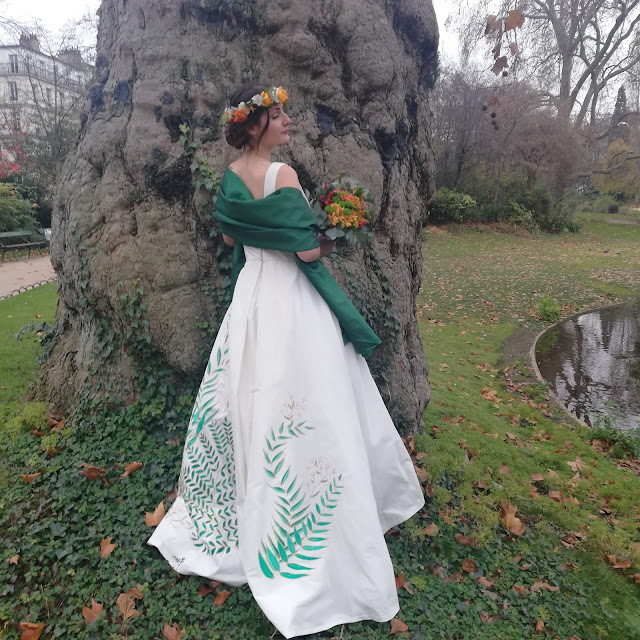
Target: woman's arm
column 228, row 240
column 287, row 177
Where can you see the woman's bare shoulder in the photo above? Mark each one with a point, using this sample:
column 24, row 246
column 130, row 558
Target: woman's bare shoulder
column 287, row 177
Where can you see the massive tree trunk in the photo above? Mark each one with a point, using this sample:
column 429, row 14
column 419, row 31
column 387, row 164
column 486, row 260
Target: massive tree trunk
column 140, row 266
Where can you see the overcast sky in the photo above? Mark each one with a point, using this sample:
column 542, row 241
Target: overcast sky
column 53, row 15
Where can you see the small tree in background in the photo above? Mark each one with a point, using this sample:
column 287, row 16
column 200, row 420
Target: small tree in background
column 619, row 176
column 619, row 128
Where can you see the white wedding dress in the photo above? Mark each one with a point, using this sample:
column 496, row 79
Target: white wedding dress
column 292, row 468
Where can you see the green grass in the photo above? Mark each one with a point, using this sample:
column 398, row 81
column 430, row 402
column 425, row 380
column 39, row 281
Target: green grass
column 18, row 359
column 487, row 430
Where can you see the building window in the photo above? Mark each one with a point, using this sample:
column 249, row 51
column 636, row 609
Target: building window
column 48, row 96
column 13, row 62
column 13, row 91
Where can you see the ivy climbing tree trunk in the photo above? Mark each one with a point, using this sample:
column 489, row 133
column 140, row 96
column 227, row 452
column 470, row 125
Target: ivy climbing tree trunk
column 142, row 272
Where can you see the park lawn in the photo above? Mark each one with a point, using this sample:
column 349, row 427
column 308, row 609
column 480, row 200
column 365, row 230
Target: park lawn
column 465, row 575
column 17, row 359
column 490, row 427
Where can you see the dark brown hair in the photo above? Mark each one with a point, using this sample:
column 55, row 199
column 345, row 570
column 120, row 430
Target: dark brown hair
column 238, row 133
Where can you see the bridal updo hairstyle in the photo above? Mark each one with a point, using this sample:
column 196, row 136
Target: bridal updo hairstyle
column 237, row 134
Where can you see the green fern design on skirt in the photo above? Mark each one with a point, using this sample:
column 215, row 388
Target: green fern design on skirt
column 207, row 480
column 299, row 533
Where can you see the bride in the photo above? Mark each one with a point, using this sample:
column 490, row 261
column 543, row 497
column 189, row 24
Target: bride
column 292, row 469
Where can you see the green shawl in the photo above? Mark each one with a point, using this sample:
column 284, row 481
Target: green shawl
column 283, row 221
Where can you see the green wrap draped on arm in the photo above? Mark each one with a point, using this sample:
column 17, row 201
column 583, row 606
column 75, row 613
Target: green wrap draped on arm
column 283, row 221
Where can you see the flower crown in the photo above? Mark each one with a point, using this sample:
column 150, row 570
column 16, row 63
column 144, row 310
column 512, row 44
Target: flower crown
column 271, row 95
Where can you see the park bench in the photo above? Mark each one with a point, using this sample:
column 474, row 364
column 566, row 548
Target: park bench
column 22, row 239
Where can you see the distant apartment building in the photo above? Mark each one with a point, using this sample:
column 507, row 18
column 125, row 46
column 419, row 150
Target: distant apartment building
column 37, row 88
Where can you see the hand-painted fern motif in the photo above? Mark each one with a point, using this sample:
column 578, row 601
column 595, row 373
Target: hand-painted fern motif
column 300, row 528
column 207, row 481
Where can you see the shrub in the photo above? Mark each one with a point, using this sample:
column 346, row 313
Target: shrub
column 602, row 203
column 15, row 212
column 517, row 214
column 452, row 206
column 548, row 310
column 613, row 208
column 573, row 227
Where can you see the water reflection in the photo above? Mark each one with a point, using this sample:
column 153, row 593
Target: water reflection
column 593, row 364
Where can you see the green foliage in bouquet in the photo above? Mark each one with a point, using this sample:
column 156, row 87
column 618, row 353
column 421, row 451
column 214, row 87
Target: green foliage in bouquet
column 341, row 211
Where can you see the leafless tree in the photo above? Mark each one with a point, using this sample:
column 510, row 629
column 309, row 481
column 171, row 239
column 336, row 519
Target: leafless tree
column 573, row 50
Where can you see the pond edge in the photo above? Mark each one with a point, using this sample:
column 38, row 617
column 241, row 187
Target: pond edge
column 536, row 370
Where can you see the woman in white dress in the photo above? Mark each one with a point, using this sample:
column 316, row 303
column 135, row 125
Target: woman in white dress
column 292, row 468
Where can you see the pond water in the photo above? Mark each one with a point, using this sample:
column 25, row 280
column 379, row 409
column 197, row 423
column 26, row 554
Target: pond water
column 593, row 364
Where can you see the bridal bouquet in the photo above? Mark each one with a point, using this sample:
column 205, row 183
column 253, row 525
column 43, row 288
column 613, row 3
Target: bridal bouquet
column 341, row 211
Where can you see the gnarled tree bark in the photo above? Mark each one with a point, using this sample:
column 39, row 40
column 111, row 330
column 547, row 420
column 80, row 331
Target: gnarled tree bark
column 129, row 226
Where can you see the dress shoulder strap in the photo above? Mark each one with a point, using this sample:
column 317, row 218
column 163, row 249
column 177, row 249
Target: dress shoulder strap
column 270, row 178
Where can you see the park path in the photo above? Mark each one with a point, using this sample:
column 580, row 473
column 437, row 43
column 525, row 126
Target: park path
column 25, row 272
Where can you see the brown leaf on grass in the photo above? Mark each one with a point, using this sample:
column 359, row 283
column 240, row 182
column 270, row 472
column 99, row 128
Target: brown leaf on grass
column 432, row 529
column 551, row 473
column 533, row 493
column 30, row 477
column 421, row 456
column 400, row 581
column 397, row 626
column 173, row 632
column 465, row 541
column 14, row 560
column 618, row 565
column 155, row 518
column 491, row 394
column 556, row 496
column 538, row 585
column 127, row 607
column 221, row 598
column 577, row 464
column 94, row 473
column 468, row 565
column 509, row 521
column 512, row 436
column 57, row 427
column 91, row 614
column 136, row 592
column 636, row 578
column 106, row 547
column 504, row 469
column 130, row 468
column 484, row 582
column 423, row 476
column 519, row 590
column 206, row 589
column 539, row 626
column 31, row 630
column 36, row 432
column 429, row 491
column 537, row 477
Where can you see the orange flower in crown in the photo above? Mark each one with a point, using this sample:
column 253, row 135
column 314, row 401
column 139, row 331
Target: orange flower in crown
column 271, row 95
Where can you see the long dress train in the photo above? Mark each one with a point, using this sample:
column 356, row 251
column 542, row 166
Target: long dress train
column 292, row 469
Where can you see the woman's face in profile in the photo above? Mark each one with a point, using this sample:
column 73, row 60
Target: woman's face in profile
column 278, row 131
